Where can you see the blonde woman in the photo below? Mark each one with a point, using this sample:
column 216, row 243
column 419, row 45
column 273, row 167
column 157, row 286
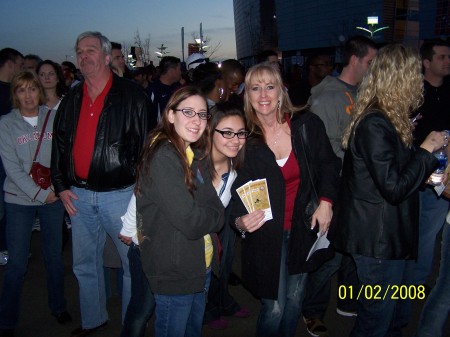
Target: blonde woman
column 378, row 223
column 273, row 267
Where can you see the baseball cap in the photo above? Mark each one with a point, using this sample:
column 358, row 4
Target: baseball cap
column 194, row 60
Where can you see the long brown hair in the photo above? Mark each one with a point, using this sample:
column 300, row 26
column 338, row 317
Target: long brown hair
column 165, row 132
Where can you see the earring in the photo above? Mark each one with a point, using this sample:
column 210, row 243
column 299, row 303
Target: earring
column 221, row 92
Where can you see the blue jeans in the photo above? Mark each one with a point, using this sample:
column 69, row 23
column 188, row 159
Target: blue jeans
column 98, row 214
column 181, row 315
column 142, row 302
column 437, row 307
column 20, row 220
column 279, row 318
column 381, row 317
column 318, row 286
column 433, row 211
column 3, row 245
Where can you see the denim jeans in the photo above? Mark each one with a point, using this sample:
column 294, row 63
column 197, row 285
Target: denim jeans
column 436, row 309
column 380, row 316
column 279, row 318
column 3, row 245
column 142, row 302
column 433, row 211
column 181, row 315
column 98, row 214
column 20, row 220
column 318, row 286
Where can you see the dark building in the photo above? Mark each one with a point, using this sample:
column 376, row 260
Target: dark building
column 297, row 29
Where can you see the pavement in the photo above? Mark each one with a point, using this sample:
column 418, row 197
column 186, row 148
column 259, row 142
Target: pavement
column 36, row 320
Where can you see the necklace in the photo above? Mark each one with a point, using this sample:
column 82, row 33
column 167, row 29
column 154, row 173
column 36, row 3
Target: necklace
column 277, row 136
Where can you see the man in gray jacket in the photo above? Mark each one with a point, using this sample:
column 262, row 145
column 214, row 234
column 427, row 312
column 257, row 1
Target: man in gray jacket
column 332, row 100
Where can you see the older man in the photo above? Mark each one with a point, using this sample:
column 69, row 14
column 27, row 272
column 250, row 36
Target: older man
column 99, row 131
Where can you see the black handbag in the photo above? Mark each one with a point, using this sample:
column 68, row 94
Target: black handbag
column 313, row 203
column 308, row 235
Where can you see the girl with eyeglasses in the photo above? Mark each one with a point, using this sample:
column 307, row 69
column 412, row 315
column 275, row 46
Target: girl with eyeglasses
column 178, row 214
column 228, row 137
column 224, row 158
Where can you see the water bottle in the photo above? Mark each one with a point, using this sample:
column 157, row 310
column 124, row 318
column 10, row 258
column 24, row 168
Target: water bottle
column 437, row 177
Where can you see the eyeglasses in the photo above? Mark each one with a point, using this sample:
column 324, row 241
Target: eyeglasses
column 231, row 134
column 188, row 112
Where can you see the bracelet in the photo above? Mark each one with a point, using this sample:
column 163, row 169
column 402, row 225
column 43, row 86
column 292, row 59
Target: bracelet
column 239, row 228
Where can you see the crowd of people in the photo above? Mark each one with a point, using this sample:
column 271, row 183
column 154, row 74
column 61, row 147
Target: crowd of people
column 155, row 162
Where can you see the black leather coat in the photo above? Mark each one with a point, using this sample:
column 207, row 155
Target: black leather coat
column 121, row 132
column 378, row 210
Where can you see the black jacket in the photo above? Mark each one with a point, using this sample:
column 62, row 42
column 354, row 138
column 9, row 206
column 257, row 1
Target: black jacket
column 174, row 222
column 121, row 132
column 261, row 250
column 379, row 207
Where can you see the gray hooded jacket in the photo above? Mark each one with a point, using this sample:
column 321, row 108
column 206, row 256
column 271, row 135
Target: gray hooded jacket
column 332, row 100
column 18, row 142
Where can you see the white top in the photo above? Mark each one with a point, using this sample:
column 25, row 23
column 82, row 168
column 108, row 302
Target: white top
column 33, row 121
column 129, row 221
column 282, row 162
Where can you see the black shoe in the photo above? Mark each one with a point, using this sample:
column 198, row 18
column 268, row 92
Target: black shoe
column 63, row 317
column 80, row 332
column 6, row 333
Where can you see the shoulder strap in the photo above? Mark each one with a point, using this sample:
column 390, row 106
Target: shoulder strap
column 41, row 135
column 304, row 142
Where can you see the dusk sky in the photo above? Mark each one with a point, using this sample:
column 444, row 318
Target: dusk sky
column 49, row 28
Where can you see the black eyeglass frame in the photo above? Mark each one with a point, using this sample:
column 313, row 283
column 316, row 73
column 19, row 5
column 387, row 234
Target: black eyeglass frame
column 235, row 134
column 205, row 115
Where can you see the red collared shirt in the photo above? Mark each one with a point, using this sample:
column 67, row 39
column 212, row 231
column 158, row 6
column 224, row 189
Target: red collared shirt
column 83, row 147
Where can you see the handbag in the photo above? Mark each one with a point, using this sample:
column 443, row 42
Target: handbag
column 38, row 172
column 313, row 203
column 307, row 234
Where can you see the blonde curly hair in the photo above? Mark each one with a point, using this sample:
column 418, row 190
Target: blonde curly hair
column 392, row 85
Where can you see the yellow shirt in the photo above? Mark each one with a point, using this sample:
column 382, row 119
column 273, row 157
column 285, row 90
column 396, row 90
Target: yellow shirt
column 208, row 241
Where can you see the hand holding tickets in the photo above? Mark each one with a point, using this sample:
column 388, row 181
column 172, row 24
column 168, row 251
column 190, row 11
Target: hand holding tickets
column 255, row 196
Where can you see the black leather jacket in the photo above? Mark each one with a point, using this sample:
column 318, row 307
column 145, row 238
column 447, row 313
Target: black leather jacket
column 121, row 133
column 379, row 207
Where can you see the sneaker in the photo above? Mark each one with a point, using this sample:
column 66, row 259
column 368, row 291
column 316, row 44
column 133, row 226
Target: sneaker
column 242, row 313
column 218, row 324
column 36, row 225
column 68, row 221
column 316, row 327
column 346, row 313
column 4, row 258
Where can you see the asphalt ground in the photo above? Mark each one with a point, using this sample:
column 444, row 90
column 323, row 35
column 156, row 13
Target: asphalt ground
column 36, row 320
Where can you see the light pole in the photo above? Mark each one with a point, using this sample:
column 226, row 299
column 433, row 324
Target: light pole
column 372, row 21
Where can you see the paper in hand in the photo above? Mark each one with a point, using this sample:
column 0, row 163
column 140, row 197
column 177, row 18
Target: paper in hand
column 322, row 242
column 255, row 195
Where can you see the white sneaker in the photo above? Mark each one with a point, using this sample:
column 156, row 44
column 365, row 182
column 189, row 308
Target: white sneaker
column 68, row 221
column 36, row 225
column 346, row 313
column 4, row 258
